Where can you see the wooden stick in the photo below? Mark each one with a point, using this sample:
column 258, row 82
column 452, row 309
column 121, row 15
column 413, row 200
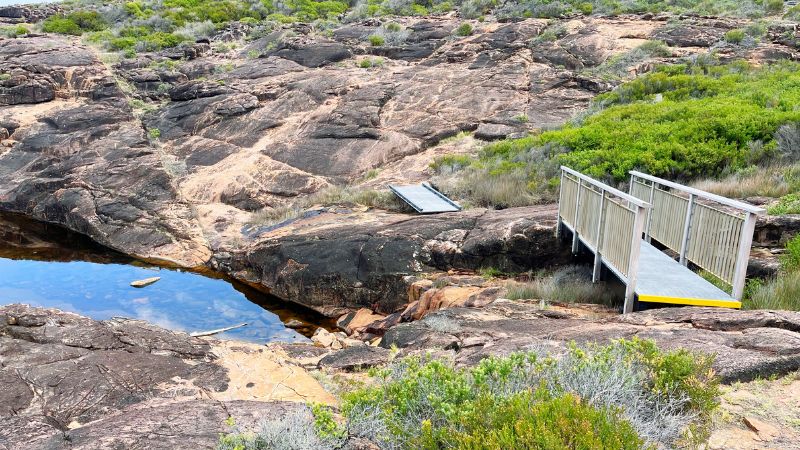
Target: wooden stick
column 221, row 330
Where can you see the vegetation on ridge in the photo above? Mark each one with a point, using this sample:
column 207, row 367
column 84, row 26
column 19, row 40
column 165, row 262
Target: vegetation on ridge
column 149, row 25
column 625, row 395
column 680, row 122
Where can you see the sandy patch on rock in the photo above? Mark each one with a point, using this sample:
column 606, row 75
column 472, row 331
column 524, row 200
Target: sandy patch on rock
column 257, row 373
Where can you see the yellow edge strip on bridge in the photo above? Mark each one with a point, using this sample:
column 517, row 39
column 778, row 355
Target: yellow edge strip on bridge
column 690, row 301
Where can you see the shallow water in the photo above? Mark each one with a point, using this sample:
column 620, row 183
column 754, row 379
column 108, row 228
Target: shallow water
column 45, row 265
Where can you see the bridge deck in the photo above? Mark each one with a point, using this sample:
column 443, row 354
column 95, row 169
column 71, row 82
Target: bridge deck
column 661, row 279
column 424, row 198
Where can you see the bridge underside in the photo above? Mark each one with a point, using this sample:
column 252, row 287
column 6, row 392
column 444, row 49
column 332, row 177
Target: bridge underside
column 661, row 279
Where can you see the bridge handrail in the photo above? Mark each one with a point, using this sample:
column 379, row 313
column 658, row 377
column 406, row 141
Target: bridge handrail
column 616, row 192
column 721, row 246
column 608, row 221
column 701, row 194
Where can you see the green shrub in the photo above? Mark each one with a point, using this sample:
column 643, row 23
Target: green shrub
column 490, row 272
column 781, row 292
column 376, row 40
column 628, row 394
column 788, row 204
column 537, row 420
column 734, row 36
column 450, row 163
column 154, row 133
column 14, row 31
column 393, row 27
column 790, row 261
column 465, row 29
column 75, row 23
column 703, row 127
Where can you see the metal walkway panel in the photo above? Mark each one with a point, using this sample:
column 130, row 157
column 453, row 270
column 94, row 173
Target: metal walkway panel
column 661, row 279
column 424, row 198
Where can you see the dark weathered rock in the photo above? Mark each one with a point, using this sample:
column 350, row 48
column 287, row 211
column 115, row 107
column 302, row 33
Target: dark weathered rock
column 690, row 35
column 312, row 54
column 352, row 358
column 57, row 355
column 197, row 89
column 747, row 344
column 494, row 131
column 776, row 231
column 367, row 264
column 194, row 424
column 69, row 382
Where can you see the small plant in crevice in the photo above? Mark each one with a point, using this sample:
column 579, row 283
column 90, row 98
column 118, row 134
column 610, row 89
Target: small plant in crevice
column 376, row 40
column 369, row 63
column 735, row 36
column 465, row 29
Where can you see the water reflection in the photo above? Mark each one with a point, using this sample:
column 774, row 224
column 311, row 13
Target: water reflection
column 44, row 265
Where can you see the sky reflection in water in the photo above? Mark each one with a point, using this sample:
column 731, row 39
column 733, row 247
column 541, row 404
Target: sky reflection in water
column 43, row 265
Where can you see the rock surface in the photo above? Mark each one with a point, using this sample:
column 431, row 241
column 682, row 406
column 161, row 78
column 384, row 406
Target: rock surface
column 67, row 381
column 747, row 344
column 178, row 168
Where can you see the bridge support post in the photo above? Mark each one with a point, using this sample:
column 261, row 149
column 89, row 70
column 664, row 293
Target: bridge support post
column 633, row 262
column 743, row 255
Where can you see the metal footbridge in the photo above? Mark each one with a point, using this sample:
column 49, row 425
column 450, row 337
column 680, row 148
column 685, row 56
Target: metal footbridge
column 626, row 231
column 424, row 198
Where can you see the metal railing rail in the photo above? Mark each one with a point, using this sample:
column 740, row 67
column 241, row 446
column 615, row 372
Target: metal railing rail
column 608, row 221
column 686, row 220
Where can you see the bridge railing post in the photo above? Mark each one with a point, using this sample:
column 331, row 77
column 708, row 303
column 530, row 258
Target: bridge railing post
column 743, row 255
column 687, row 229
column 576, row 222
column 633, row 262
column 649, row 213
column 598, row 258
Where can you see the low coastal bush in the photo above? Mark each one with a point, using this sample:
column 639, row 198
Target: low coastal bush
column 195, row 19
column 628, row 394
column 625, row 395
column 14, row 31
column 788, row 204
column 680, row 122
column 75, row 23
